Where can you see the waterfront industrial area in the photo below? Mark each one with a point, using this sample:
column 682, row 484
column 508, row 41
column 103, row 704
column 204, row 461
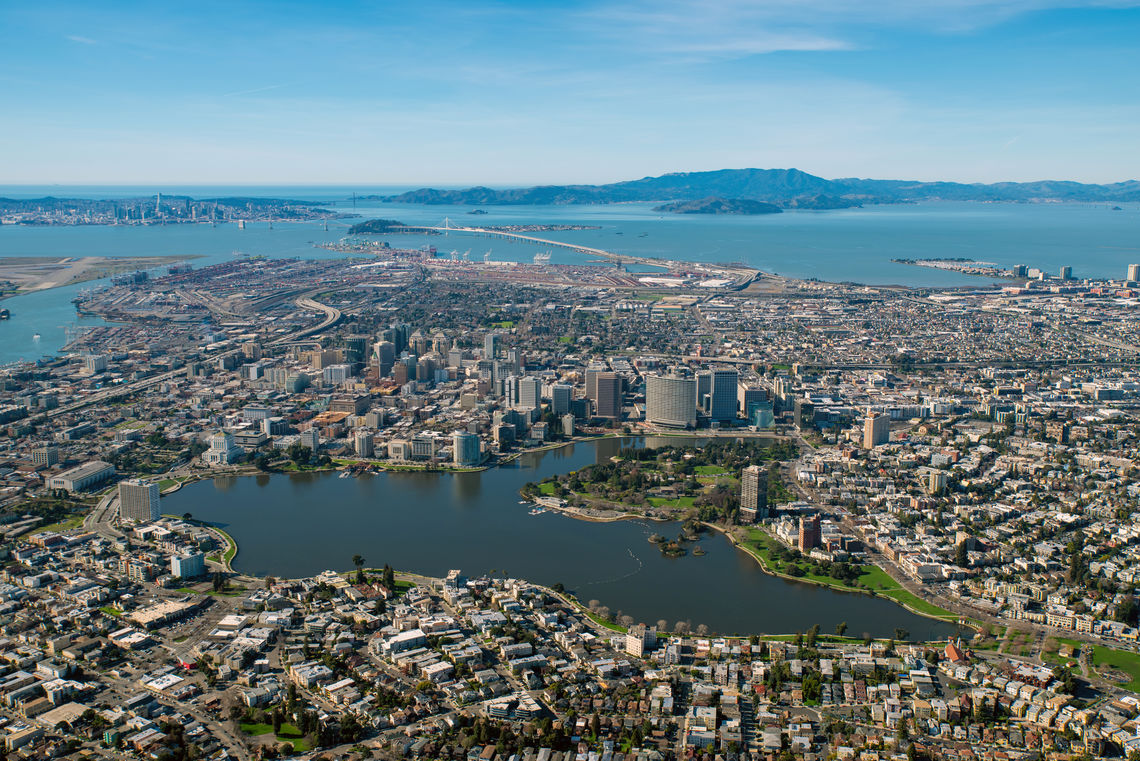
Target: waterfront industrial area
column 967, row 454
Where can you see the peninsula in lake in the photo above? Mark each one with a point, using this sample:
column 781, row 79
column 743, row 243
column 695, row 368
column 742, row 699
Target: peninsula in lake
column 788, row 188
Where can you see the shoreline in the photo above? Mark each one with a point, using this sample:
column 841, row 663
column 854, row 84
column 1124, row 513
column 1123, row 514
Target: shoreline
column 35, row 274
column 569, row 512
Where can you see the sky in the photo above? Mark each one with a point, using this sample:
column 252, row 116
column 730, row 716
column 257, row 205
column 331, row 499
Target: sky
column 519, row 93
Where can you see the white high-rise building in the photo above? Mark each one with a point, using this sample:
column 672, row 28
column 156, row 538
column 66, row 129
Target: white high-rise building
column 753, row 493
column 1134, row 273
column 138, row 501
column 363, row 443
column 530, row 393
column 465, row 449
column 671, row 401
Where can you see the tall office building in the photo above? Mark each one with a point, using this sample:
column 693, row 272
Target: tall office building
column 356, row 350
column 364, row 443
column 721, row 406
column 810, row 533
column 876, row 430
column 782, row 390
column 803, row 413
column 465, row 449
column 1066, row 273
column 560, row 398
column 671, row 400
column 748, row 394
column 385, row 352
column 530, row 393
column 511, row 390
column 138, row 501
column 704, row 390
column 753, row 494
column 607, row 404
column 592, row 373
column 1134, row 273
column 490, row 345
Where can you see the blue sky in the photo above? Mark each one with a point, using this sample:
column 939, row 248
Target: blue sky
column 531, row 92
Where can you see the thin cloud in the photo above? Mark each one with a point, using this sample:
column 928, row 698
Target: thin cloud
column 81, row 39
column 251, row 91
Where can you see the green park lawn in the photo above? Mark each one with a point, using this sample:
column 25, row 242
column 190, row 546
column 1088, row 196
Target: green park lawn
column 289, row 733
column 1119, row 660
column 871, row 578
column 679, row 502
column 68, row 523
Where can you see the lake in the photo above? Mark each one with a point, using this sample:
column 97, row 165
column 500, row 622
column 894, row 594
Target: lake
column 298, row 525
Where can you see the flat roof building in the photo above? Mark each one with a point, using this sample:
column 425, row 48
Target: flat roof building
column 83, row 476
column 138, row 501
column 671, row 400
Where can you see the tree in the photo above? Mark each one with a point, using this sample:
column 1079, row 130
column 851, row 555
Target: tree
column 358, row 561
column 841, row 628
column 219, row 581
column 961, row 555
column 812, row 635
column 901, row 633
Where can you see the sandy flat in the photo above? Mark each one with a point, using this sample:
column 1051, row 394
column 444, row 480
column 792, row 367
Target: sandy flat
column 35, row 273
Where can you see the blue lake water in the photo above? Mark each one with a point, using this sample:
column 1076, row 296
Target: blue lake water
column 301, row 524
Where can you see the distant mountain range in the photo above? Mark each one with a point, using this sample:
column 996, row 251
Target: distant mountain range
column 788, row 188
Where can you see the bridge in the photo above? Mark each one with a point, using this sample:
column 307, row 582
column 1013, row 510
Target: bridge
column 519, row 237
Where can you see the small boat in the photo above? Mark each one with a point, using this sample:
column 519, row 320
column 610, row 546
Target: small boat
column 5, row 314
column 537, row 511
column 35, row 336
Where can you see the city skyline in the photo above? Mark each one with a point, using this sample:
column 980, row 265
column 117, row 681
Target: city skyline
column 512, row 94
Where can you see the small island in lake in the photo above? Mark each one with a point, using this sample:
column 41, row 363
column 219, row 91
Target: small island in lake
column 715, row 205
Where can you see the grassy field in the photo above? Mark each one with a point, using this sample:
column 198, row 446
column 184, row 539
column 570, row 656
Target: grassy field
column 289, row 733
column 709, row 470
column 1119, row 660
column 546, row 489
column 679, row 502
column 231, row 547
column 1050, row 650
column 71, row 522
